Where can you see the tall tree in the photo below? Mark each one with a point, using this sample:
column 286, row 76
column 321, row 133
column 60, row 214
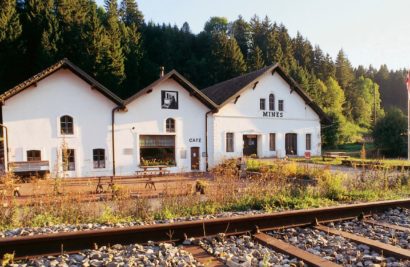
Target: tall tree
column 255, row 59
column 41, row 34
column 130, row 14
column 73, row 19
column 10, row 33
column 227, row 59
column 216, row 25
column 241, row 30
column 113, row 60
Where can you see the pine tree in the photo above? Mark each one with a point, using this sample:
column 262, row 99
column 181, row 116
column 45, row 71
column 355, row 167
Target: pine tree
column 73, row 19
column 113, row 59
column 10, row 27
column 10, row 43
column 240, row 29
column 226, row 58
column 344, row 71
column 41, row 34
column 130, row 14
column 255, row 59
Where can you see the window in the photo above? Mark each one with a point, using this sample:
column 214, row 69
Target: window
column 280, row 105
column 262, row 104
column 170, row 125
column 229, row 142
column 33, row 155
column 99, row 158
column 272, row 141
column 308, row 141
column 271, row 102
column 66, row 125
column 157, row 150
column 68, row 159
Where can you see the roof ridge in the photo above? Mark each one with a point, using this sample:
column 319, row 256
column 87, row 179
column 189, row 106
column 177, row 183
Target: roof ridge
column 238, row 77
column 51, row 69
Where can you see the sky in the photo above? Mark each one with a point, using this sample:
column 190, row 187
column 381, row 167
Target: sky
column 369, row 31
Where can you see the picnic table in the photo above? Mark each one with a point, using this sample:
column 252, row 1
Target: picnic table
column 334, row 155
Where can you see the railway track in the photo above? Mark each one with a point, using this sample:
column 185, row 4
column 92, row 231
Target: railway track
column 334, row 236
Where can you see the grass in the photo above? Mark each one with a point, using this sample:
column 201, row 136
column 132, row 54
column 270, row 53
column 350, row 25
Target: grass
column 280, row 185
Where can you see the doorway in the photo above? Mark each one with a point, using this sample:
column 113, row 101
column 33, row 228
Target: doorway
column 291, row 144
column 195, row 158
column 250, row 145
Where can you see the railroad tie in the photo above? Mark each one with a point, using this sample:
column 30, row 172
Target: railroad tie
column 203, row 257
column 286, row 248
column 386, row 249
column 387, row 225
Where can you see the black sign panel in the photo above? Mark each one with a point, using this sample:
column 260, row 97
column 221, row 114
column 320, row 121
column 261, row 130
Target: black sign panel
column 169, row 99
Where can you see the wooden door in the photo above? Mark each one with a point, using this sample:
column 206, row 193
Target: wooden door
column 250, row 145
column 291, row 144
column 195, row 158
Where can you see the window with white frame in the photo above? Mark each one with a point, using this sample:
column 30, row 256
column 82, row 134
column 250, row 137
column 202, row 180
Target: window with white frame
column 170, row 125
column 229, row 142
column 98, row 158
column 66, row 125
column 262, row 104
column 33, row 155
column 281, row 105
column 308, row 141
column 68, row 159
column 271, row 102
column 272, row 142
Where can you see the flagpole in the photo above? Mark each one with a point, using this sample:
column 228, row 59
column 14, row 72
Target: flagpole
column 408, row 114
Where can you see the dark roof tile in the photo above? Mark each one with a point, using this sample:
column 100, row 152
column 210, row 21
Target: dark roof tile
column 220, row 92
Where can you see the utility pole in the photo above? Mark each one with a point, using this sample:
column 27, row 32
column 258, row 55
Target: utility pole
column 408, row 114
column 375, row 111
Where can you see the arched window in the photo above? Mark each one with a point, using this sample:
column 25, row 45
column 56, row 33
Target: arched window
column 170, row 125
column 66, row 125
column 271, row 102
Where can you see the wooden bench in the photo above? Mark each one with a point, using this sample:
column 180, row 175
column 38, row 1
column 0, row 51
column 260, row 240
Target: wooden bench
column 156, row 170
column 150, row 171
column 334, row 155
column 24, row 168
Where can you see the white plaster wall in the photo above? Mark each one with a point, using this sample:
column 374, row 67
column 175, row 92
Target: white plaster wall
column 145, row 116
column 32, row 117
column 245, row 117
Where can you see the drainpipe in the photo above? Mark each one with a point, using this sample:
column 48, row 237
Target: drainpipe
column 118, row 108
column 6, row 149
column 206, row 139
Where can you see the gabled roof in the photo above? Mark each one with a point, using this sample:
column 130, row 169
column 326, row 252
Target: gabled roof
column 223, row 92
column 183, row 82
column 64, row 63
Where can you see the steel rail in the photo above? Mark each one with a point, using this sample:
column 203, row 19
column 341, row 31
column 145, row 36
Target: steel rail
column 28, row 246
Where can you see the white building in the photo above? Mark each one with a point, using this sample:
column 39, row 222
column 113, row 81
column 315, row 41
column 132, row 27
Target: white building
column 63, row 121
column 263, row 113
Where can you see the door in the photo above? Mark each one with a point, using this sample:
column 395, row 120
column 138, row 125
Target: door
column 250, row 145
column 291, row 144
column 195, row 158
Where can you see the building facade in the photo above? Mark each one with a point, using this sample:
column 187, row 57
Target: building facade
column 263, row 114
column 64, row 122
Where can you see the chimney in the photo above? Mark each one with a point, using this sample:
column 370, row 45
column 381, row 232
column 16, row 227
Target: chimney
column 161, row 71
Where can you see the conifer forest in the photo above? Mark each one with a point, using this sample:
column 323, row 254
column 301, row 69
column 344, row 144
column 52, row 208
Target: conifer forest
column 114, row 44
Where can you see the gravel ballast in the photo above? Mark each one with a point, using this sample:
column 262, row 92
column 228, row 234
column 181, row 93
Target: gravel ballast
column 243, row 251
column 118, row 255
column 335, row 248
column 375, row 232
